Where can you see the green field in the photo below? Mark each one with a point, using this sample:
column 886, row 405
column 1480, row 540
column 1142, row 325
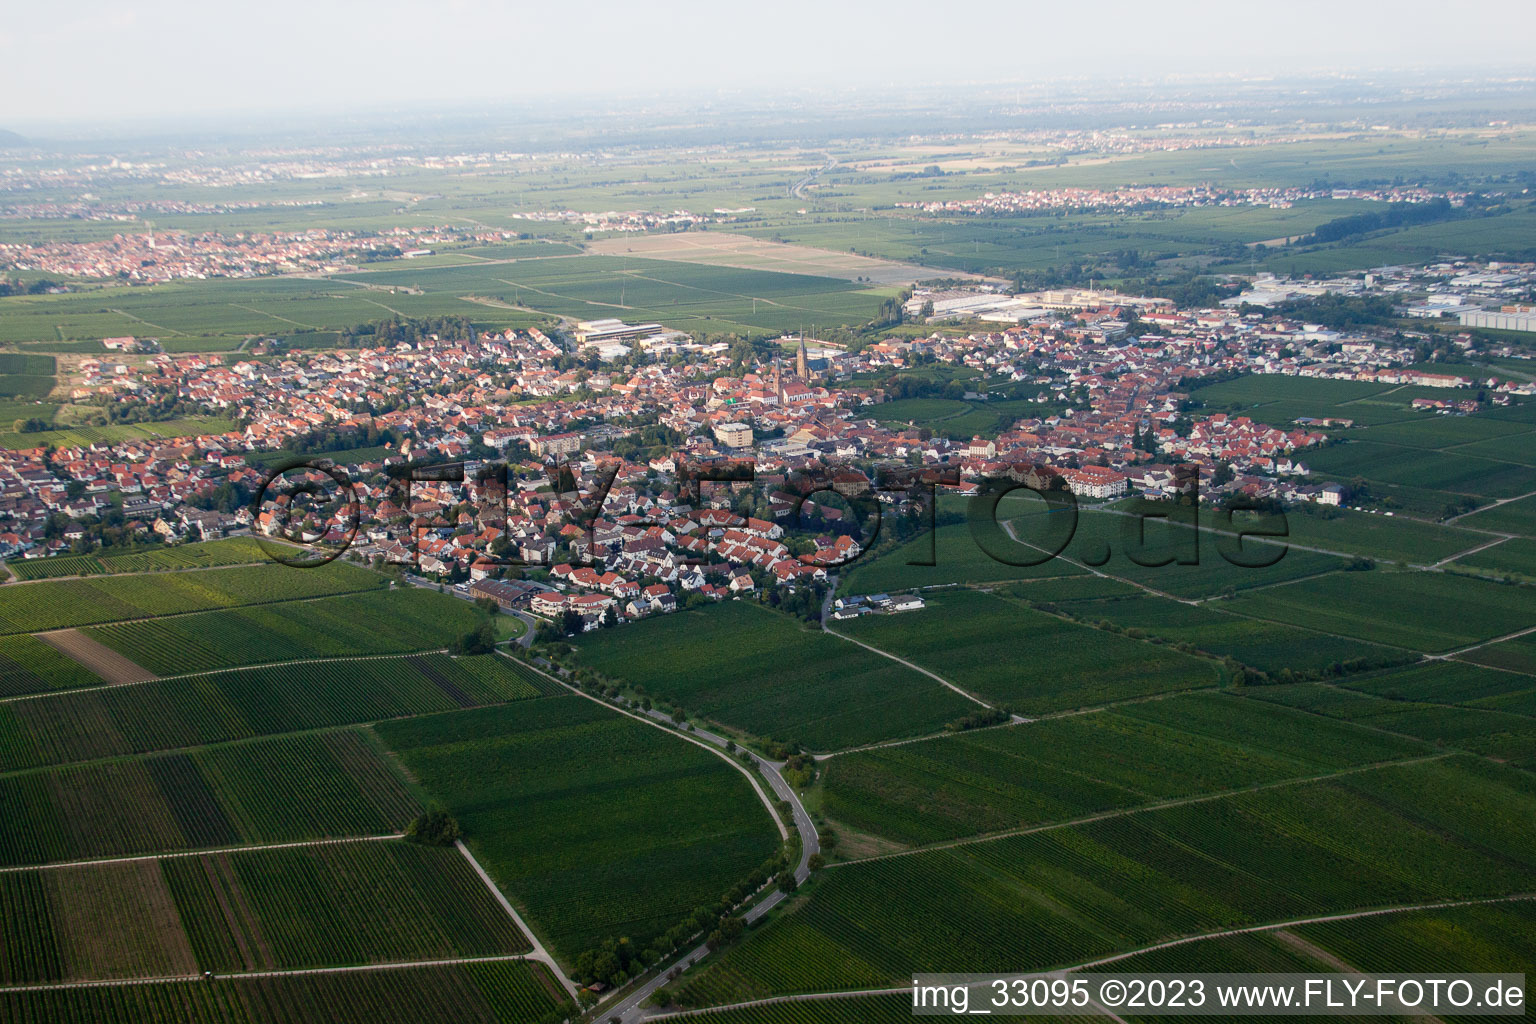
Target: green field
column 191, row 711
column 1063, row 768
column 761, row 672
column 997, row 649
column 57, row 604
column 688, row 296
column 27, row 665
column 1515, row 517
column 1515, row 556
column 1400, row 834
column 502, row 992
column 1270, row 647
column 234, row 551
column 374, row 622
column 292, row 907
column 599, row 826
column 1199, row 563
column 189, row 426
column 1389, row 538
column 1479, row 728
column 281, row 789
column 1404, row 609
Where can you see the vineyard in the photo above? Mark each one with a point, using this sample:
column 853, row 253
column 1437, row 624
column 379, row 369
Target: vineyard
column 27, row 665
column 373, row 622
column 242, row 703
column 1407, row 608
column 1266, row 646
column 234, row 551
column 58, row 604
column 635, row 830
column 349, row 903
column 994, row 648
column 1481, row 728
column 1403, row 834
column 294, row 907
column 502, row 992
column 283, row 789
column 759, row 671
column 1064, row 768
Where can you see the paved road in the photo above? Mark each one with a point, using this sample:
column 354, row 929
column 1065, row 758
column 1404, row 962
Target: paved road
column 632, row 1007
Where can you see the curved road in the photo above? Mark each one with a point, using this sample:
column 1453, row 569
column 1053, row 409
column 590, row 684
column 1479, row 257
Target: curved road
column 632, row 1007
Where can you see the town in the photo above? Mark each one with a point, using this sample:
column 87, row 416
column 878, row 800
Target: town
column 1098, row 383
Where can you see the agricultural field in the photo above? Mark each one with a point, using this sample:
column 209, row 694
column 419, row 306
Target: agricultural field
column 59, row 604
column 1518, row 516
column 1270, row 647
column 1200, row 563
column 206, row 554
column 635, row 829
column 189, row 711
column 67, row 437
column 755, row 670
column 992, row 647
column 1403, row 609
column 1511, row 556
column 1517, row 654
column 1058, row 769
column 1388, row 538
column 278, row 908
column 687, row 296
column 498, row 992
column 956, row 558
column 26, row 376
column 1456, row 471
column 335, row 904
column 275, row 790
column 1480, row 727
column 374, row 622
column 1399, row 834
column 1498, row 937
column 27, row 665
column 1279, row 400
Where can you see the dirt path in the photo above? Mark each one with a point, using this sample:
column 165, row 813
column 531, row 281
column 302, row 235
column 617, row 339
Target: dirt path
column 916, row 668
column 111, row 666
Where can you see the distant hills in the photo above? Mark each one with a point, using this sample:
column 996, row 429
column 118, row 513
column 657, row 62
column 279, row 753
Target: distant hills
column 10, row 139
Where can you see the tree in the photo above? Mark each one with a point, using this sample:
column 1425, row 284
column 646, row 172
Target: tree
column 434, row 827
column 570, row 622
column 785, row 880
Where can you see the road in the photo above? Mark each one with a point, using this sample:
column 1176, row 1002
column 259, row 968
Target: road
column 632, row 1006
column 797, row 190
column 526, row 640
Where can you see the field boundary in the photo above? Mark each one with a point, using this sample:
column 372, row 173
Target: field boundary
column 1351, row 915
column 1160, row 805
column 61, row 865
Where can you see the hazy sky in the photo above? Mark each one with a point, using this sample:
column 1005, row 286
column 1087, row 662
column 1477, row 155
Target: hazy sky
column 97, row 60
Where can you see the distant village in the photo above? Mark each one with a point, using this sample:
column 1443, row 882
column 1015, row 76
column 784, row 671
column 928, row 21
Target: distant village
column 1103, row 382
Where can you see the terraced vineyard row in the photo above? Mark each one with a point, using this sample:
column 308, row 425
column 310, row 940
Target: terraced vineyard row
column 1404, row 834
column 294, row 907
column 62, row 603
column 282, row 789
column 374, row 622
column 505, row 992
column 243, row 703
column 27, row 665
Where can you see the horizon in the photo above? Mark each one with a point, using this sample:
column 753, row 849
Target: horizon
column 167, row 61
